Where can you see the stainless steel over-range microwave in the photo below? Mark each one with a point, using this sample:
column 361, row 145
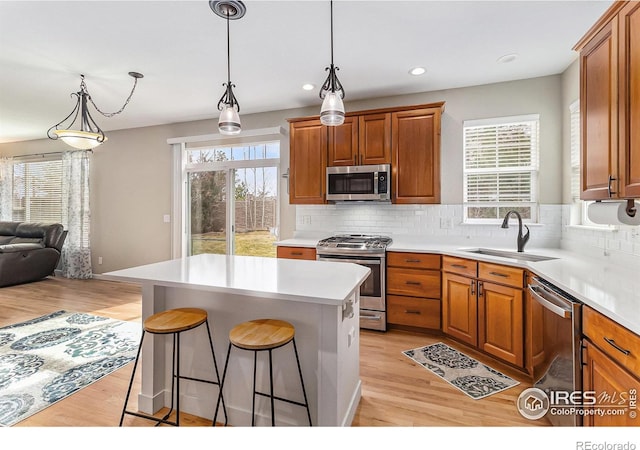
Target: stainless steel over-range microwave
column 359, row 183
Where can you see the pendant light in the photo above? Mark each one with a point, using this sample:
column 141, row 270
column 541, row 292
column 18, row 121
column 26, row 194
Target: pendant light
column 229, row 121
column 87, row 134
column 332, row 110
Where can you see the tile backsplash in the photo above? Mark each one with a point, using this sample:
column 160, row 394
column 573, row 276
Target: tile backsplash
column 620, row 245
column 441, row 222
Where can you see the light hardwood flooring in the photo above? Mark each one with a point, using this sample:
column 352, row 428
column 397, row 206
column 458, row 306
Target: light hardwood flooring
column 395, row 390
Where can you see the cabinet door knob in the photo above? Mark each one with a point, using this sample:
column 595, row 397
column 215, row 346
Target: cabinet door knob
column 480, row 288
column 411, row 311
column 459, row 266
column 413, row 283
column 473, row 287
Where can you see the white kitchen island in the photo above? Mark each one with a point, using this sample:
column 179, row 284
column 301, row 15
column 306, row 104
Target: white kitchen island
column 319, row 298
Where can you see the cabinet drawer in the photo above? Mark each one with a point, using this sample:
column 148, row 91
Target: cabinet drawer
column 413, row 312
column 296, row 253
column 413, row 260
column 510, row 276
column 460, row 266
column 616, row 341
column 413, row 282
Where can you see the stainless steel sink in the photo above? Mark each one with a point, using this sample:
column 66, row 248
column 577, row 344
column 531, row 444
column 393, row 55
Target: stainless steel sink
column 506, row 254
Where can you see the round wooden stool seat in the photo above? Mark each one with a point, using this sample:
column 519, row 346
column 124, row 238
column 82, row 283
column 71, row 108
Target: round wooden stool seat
column 175, row 320
column 261, row 334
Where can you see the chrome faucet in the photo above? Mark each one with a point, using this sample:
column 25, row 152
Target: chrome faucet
column 522, row 240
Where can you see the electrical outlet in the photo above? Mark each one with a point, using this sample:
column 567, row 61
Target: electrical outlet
column 446, row 223
column 634, row 233
column 99, row 259
column 306, row 220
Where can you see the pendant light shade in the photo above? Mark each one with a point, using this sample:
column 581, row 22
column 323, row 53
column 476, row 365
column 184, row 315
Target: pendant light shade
column 229, row 120
column 332, row 111
column 332, row 93
column 88, row 134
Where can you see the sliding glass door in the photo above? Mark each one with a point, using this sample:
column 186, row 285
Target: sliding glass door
column 233, row 200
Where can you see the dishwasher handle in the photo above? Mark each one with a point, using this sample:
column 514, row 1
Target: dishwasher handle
column 549, row 303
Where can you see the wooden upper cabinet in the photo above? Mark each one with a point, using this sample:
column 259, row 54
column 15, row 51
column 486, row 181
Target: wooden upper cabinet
column 598, row 114
column 343, row 143
column 361, row 139
column 610, row 105
column 407, row 137
column 375, row 139
column 415, row 150
column 308, row 162
column 629, row 103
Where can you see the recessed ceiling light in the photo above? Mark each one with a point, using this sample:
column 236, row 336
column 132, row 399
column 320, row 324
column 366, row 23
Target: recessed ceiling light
column 508, row 58
column 417, row 71
column 308, row 87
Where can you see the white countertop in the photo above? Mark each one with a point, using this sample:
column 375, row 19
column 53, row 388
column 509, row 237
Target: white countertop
column 613, row 290
column 320, row 282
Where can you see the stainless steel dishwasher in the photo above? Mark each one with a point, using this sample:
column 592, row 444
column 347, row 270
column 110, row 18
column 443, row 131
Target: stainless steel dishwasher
column 557, row 367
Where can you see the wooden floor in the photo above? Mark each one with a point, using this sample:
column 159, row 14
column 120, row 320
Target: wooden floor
column 395, row 390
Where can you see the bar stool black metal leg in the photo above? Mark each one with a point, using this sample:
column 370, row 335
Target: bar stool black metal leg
column 177, row 393
column 224, row 375
column 304, row 391
column 253, row 404
column 273, row 410
column 215, row 365
column 133, row 374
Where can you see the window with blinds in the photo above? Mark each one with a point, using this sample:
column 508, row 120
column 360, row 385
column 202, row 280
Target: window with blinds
column 501, row 168
column 37, row 191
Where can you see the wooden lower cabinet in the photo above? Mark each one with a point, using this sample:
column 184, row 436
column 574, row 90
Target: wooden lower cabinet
column 296, row 253
column 481, row 312
column 413, row 290
column 607, row 379
column 533, row 332
column 500, row 322
column 611, row 369
column 413, row 312
column 460, row 308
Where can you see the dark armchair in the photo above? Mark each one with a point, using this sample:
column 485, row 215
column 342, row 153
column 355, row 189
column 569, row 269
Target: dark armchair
column 29, row 251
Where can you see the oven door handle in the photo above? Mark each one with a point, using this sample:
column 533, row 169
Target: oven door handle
column 548, row 304
column 367, row 316
column 374, row 262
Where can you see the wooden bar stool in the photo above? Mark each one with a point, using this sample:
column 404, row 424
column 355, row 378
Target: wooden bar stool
column 264, row 335
column 175, row 322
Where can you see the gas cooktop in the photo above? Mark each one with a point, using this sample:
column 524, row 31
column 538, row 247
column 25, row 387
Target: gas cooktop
column 354, row 242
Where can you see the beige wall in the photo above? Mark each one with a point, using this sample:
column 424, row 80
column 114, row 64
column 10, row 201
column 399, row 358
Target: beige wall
column 131, row 173
column 570, row 93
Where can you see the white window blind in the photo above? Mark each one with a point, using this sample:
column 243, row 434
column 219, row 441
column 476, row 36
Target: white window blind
column 501, row 168
column 37, row 191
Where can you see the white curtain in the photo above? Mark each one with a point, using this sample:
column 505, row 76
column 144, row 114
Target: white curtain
column 76, row 253
column 6, row 189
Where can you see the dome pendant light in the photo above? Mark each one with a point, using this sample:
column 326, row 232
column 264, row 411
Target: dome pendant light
column 332, row 93
column 229, row 121
column 89, row 135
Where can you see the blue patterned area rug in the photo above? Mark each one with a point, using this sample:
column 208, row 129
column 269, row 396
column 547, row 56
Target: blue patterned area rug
column 48, row 358
column 475, row 379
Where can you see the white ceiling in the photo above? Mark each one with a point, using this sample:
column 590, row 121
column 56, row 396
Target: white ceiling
column 180, row 47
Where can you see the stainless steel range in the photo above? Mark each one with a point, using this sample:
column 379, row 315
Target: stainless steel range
column 368, row 251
